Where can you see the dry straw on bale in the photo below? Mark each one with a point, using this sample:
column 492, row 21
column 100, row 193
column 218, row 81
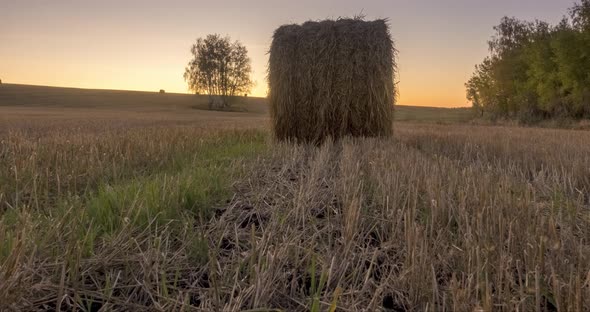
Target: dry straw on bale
column 332, row 79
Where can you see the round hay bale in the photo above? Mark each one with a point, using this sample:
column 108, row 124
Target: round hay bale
column 331, row 79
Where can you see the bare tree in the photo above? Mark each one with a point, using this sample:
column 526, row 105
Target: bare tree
column 220, row 69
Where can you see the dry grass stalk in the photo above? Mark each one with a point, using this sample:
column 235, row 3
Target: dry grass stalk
column 456, row 218
column 423, row 223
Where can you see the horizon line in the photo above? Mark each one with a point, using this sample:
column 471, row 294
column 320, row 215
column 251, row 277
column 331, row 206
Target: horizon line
column 185, row 93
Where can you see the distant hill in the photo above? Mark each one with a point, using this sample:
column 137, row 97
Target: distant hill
column 433, row 114
column 46, row 97
column 16, row 95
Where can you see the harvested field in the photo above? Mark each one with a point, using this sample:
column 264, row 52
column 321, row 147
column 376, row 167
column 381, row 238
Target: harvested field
column 113, row 210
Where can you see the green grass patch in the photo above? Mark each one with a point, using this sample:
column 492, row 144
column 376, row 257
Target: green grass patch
column 201, row 182
column 185, row 192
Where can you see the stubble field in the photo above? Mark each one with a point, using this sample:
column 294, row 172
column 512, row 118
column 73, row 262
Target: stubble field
column 129, row 204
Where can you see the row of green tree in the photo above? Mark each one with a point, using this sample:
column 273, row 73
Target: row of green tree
column 535, row 70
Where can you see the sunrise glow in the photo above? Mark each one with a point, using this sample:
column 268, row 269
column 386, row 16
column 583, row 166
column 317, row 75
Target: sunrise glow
column 144, row 45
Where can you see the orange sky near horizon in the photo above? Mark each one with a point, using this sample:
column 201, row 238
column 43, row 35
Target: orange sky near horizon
column 144, row 45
